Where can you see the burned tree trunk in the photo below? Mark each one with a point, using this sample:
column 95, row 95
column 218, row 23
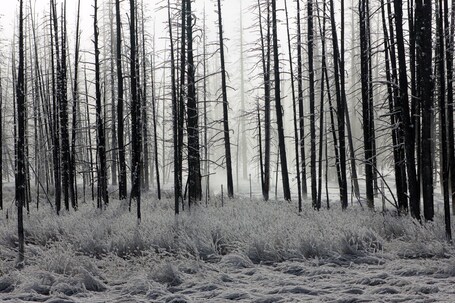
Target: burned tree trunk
column 279, row 108
column 227, row 142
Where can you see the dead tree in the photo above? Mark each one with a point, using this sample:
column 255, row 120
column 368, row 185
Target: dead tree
column 278, row 107
column 227, row 141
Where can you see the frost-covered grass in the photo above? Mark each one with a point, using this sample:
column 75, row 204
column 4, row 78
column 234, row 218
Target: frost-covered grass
column 263, row 231
column 87, row 254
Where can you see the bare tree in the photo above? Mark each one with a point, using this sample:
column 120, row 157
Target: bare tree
column 227, row 141
column 194, row 161
column 20, row 139
column 279, row 108
column 120, row 123
column 136, row 129
column 403, row 104
column 100, row 136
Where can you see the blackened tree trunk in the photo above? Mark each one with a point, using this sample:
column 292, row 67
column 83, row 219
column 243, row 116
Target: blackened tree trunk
column 279, row 108
column 62, row 78
column 364, row 71
column 403, row 205
column 402, row 102
column 144, row 116
column 122, row 182
column 205, row 106
column 389, row 54
column 449, row 36
column 136, row 129
column 55, row 58
column 416, row 114
column 341, row 159
column 21, row 125
column 294, row 111
column 227, row 142
column 300, row 97
column 89, row 138
column 322, row 124
column 265, row 52
column 100, row 138
column 314, row 193
column 194, row 161
column 73, row 180
column 113, row 105
column 443, row 121
column 425, row 83
column 1, row 143
column 181, row 104
column 175, row 122
column 155, row 134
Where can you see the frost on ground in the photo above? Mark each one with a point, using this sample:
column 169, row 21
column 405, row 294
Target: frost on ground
column 247, row 251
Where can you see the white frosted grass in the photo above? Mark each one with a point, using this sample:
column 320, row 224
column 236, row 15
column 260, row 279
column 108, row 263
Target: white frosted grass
column 251, row 251
column 263, row 231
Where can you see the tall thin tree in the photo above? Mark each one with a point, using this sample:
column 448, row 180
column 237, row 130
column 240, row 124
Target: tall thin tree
column 136, row 129
column 122, row 184
column 266, row 63
column 100, row 137
column 300, row 97
column 21, row 125
column 403, row 104
column 278, row 107
column 194, row 163
column 364, row 71
column 443, row 118
column 341, row 159
column 310, row 36
column 175, row 118
column 73, row 182
column 227, row 140
column 294, row 111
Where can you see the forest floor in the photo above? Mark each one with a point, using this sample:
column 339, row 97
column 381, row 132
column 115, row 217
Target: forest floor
column 246, row 251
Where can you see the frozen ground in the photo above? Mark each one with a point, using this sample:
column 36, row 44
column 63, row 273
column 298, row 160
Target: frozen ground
column 245, row 251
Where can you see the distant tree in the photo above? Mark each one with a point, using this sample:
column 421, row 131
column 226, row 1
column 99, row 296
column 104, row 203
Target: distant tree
column 155, row 134
column 144, row 117
column 243, row 145
column 89, row 139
